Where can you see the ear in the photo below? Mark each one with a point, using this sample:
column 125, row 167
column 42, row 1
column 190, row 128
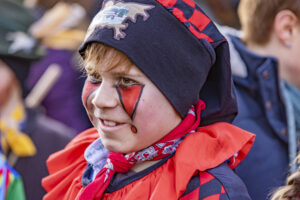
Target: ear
column 285, row 24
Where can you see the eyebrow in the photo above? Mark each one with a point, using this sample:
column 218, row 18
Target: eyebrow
column 115, row 72
column 123, row 73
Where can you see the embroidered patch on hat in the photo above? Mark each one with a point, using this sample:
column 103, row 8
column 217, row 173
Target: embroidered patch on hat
column 114, row 14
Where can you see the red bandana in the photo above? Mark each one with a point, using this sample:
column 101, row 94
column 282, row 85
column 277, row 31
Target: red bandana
column 117, row 162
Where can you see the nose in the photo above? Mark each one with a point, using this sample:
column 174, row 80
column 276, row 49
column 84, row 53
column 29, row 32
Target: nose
column 105, row 96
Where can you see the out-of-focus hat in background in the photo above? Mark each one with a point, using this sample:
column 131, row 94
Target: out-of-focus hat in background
column 15, row 41
column 17, row 47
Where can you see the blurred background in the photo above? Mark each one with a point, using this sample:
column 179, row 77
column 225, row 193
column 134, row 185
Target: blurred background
column 223, row 12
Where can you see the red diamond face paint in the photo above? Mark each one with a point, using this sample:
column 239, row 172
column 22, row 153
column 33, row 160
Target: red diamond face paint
column 88, row 88
column 130, row 97
column 86, row 91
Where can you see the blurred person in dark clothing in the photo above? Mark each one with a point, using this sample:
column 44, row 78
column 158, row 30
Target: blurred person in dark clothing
column 27, row 136
column 61, row 30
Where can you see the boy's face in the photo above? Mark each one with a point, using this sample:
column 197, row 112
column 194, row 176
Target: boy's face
column 118, row 100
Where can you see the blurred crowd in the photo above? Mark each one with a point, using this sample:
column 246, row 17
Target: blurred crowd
column 40, row 88
column 41, row 82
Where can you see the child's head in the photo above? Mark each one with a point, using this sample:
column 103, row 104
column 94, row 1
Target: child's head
column 119, row 97
column 272, row 28
column 257, row 17
column 156, row 59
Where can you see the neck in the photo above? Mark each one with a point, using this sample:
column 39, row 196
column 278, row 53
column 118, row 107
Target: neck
column 281, row 53
column 263, row 50
column 143, row 165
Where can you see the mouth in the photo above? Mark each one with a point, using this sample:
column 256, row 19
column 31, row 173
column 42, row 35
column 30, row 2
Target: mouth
column 110, row 124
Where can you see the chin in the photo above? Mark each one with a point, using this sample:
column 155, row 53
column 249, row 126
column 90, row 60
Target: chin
column 114, row 148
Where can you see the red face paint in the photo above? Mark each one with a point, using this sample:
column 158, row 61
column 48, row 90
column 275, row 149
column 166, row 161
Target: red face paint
column 130, row 97
column 91, row 118
column 87, row 90
column 133, row 129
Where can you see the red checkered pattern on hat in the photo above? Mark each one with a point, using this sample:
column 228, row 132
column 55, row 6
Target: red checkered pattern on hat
column 187, row 12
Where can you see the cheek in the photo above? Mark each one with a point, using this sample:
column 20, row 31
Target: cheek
column 7, row 83
column 145, row 113
column 161, row 115
column 87, row 90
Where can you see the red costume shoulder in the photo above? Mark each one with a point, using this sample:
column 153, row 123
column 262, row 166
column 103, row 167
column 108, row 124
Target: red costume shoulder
column 209, row 147
column 66, row 167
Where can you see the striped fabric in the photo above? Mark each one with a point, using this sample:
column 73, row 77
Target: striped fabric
column 11, row 185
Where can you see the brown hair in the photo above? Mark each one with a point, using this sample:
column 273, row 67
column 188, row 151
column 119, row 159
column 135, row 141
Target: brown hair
column 257, row 17
column 291, row 191
column 98, row 54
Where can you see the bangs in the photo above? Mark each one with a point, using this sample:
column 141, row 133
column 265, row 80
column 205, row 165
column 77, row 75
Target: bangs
column 102, row 58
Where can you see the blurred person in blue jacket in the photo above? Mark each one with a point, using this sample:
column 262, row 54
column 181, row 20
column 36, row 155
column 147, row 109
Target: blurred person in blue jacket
column 28, row 137
column 266, row 68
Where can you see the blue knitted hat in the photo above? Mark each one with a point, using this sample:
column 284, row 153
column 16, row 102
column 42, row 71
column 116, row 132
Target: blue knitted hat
column 176, row 46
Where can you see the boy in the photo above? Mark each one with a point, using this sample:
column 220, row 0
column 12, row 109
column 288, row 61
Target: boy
column 147, row 64
column 61, row 42
column 269, row 107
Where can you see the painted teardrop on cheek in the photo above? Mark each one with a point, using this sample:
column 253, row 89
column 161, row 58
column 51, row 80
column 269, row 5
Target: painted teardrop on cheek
column 133, row 129
column 130, row 97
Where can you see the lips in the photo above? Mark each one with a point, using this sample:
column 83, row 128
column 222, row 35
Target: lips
column 110, row 127
column 109, row 123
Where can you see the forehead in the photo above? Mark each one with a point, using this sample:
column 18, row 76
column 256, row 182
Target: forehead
column 118, row 68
